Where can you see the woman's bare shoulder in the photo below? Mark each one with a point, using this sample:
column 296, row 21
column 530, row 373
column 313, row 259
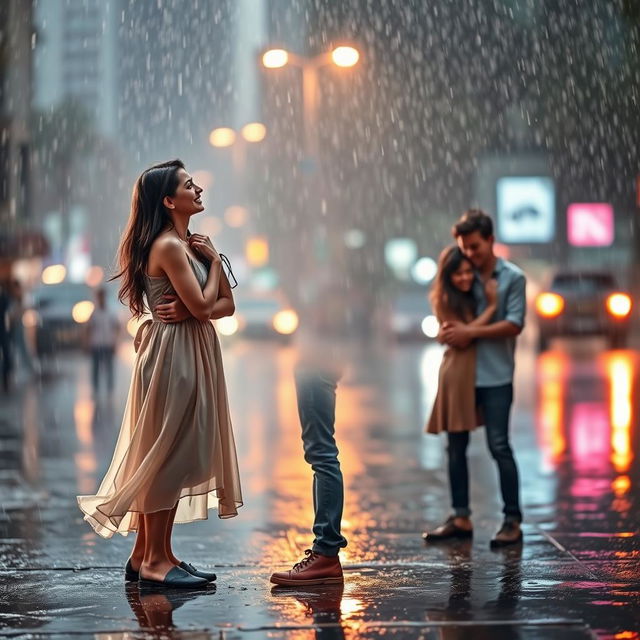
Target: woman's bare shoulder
column 166, row 244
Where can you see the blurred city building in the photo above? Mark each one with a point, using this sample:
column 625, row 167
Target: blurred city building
column 18, row 238
column 77, row 57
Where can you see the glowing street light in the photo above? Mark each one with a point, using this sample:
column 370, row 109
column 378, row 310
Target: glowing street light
column 222, row 137
column 345, row 56
column 54, row 274
column 257, row 251
column 341, row 56
column 275, row 58
column 254, row 132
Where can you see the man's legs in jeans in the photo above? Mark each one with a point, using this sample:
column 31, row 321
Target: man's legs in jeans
column 496, row 407
column 316, row 406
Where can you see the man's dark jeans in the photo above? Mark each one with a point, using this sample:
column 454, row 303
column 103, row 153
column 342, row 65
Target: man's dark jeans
column 495, row 403
column 317, row 406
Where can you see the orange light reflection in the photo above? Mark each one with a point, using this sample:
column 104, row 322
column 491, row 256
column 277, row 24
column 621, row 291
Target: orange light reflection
column 620, row 371
column 85, row 458
column 552, row 373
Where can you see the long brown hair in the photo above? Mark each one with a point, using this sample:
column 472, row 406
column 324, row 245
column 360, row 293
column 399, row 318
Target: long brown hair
column 148, row 218
column 446, row 299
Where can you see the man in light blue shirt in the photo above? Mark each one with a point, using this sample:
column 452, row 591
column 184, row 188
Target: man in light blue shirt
column 495, row 345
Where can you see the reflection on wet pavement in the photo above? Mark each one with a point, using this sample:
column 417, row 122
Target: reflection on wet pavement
column 575, row 433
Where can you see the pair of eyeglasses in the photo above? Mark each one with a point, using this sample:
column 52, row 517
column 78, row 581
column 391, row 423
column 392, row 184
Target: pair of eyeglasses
column 229, row 273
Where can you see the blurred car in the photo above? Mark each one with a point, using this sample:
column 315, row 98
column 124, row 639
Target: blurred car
column 58, row 315
column 581, row 303
column 260, row 315
column 411, row 317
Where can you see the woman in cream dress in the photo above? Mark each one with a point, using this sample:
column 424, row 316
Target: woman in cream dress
column 454, row 409
column 175, row 457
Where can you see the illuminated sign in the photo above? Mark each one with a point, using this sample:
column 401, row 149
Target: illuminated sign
column 526, row 209
column 590, row 224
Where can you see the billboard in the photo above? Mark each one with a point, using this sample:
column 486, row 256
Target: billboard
column 526, row 209
column 590, row 224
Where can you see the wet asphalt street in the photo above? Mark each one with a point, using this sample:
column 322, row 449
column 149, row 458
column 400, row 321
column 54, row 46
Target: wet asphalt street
column 576, row 435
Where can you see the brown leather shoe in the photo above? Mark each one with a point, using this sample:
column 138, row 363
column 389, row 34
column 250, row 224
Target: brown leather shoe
column 510, row 533
column 312, row 569
column 447, row 531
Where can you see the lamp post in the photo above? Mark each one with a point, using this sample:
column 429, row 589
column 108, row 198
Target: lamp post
column 340, row 56
column 235, row 197
column 343, row 57
column 224, row 137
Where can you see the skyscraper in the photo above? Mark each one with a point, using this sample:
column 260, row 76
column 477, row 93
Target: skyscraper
column 76, row 57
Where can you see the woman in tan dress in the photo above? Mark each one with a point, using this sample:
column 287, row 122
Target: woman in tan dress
column 454, row 409
column 175, row 457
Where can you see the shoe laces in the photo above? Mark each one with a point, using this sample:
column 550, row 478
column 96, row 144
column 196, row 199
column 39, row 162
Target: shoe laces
column 310, row 556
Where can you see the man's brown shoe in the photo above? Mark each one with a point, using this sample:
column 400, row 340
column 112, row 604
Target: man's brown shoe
column 447, row 531
column 510, row 533
column 312, row 569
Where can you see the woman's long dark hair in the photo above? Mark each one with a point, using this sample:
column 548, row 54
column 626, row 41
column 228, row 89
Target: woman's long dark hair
column 446, row 299
column 148, row 218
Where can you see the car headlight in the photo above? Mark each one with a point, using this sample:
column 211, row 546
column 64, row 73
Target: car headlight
column 619, row 305
column 285, row 322
column 82, row 311
column 549, row 305
column 227, row 326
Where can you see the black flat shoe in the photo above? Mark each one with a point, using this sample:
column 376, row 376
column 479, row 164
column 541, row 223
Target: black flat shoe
column 448, row 531
column 177, row 578
column 130, row 574
column 189, row 568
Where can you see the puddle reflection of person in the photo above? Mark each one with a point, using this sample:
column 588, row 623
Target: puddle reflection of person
column 153, row 609
column 460, row 603
column 322, row 604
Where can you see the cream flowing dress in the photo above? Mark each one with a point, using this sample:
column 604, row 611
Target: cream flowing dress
column 176, row 442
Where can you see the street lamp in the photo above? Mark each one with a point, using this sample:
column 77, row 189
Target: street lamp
column 342, row 56
column 275, row 58
column 345, row 56
column 254, row 132
column 222, row 137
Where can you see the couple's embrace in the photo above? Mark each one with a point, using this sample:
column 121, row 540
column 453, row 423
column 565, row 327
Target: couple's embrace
column 480, row 302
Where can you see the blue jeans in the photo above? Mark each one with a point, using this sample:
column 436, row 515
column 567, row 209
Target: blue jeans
column 495, row 403
column 316, row 392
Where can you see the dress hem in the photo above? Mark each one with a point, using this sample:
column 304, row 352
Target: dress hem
column 112, row 528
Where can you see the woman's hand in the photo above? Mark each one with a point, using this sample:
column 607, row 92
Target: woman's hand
column 172, row 311
column 491, row 292
column 203, row 246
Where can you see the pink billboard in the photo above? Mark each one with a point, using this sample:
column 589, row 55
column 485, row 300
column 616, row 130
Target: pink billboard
column 590, row 224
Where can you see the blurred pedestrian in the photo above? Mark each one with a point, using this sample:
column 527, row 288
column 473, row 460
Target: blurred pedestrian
column 5, row 337
column 495, row 363
column 103, row 331
column 19, row 346
column 175, row 457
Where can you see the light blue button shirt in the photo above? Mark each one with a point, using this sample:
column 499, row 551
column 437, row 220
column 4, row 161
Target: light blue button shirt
column 495, row 360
